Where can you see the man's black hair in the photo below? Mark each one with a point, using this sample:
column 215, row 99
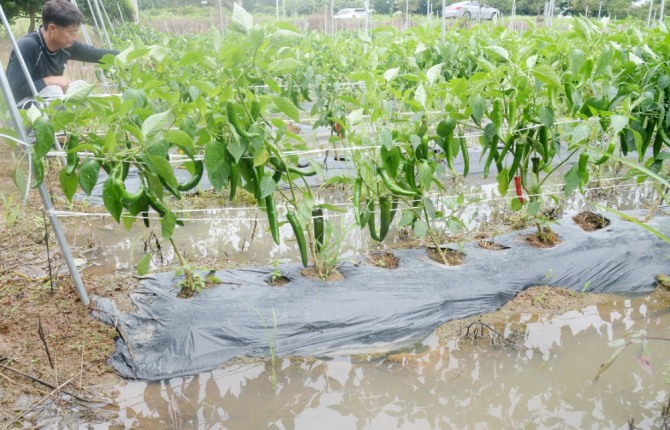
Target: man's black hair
column 62, row 13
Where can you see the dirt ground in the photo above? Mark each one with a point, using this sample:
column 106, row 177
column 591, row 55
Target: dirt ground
column 54, row 355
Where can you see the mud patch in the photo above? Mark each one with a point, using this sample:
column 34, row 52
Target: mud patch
column 589, row 221
column 452, row 256
column 384, row 259
column 548, row 241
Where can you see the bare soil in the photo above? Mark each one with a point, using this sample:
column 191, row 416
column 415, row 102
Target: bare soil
column 452, row 256
column 536, row 241
column 384, row 259
column 590, row 221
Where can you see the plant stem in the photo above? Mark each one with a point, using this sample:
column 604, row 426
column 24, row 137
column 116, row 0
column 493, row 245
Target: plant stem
column 183, row 264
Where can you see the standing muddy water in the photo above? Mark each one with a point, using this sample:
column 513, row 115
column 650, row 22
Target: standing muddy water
column 545, row 380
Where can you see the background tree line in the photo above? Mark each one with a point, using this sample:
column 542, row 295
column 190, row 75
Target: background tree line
column 32, row 10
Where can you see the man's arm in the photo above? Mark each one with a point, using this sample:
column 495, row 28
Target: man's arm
column 30, row 50
column 88, row 53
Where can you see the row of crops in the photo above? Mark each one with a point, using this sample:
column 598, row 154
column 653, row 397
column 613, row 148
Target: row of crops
column 222, row 105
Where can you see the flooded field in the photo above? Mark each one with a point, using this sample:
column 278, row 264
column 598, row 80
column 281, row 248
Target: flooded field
column 546, row 379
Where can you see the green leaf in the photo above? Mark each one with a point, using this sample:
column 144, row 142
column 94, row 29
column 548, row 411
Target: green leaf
column 111, row 197
column 500, row 53
column 78, row 91
column 408, row 217
column 547, row 75
column 516, row 204
column 478, row 107
column 242, row 20
column 534, row 208
column 218, row 169
column 156, row 123
column 619, row 122
column 355, row 116
column 68, row 183
column 425, row 175
column 391, row 74
column 420, row 95
column 168, row 224
column 38, row 172
column 44, row 135
column 261, row 157
column 420, row 229
column 580, row 133
column 162, row 167
column 88, row 175
column 284, row 66
column 547, row 116
column 237, row 147
column 268, row 186
column 434, row 73
column 430, row 208
column 144, row 264
column 572, row 180
column 181, row 139
column 287, row 107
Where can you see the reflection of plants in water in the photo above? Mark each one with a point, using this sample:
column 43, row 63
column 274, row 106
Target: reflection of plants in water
column 638, row 338
column 271, row 337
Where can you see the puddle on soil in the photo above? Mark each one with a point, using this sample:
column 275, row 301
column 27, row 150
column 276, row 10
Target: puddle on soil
column 546, row 381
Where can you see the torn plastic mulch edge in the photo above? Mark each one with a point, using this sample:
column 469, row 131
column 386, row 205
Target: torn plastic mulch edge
column 372, row 307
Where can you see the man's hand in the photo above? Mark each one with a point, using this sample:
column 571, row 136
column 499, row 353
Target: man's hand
column 61, row 81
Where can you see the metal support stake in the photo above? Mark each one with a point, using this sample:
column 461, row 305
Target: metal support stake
column 87, row 38
column 44, row 194
column 102, row 22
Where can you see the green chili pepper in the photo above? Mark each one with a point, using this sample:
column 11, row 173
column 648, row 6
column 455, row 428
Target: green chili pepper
column 610, row 150
column 72, row 157
column 493, row 154
column 497, row 114
column 544, row 141
column 384, row 216
column 198, row 169
column 157, row 205
column 280, row 166
column 358, row 185
column 392, row 186
column 233, row 120
column 255, row 108
column 272, row 217
column 466, row 155
column 319, row 233
column 371, row 220
column 299, row 236
column 518, row 155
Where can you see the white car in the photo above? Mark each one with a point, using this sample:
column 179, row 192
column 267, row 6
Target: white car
column 350, row 13
column 471, row 9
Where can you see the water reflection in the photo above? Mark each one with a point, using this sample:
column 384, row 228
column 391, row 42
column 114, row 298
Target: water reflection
column 242, row 236
column 459, row 383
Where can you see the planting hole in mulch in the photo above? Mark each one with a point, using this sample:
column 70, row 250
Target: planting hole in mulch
column 384, row 259
column 452, row 256
column 548, row 241
column 491, row 245
column 278, row 280
column 590, row 221
column 310, row 272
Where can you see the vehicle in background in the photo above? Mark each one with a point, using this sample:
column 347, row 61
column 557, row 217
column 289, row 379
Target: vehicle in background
column 471, row 9
column 350, row 13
